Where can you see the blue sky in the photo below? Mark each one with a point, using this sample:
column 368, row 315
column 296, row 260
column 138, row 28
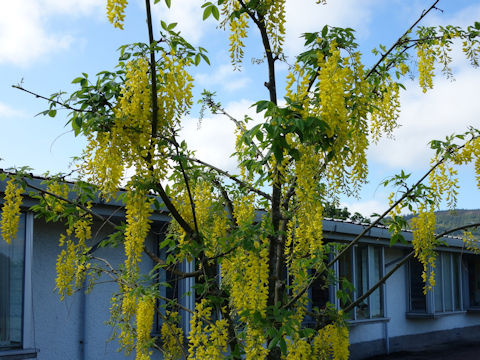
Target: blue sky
column 47, row 43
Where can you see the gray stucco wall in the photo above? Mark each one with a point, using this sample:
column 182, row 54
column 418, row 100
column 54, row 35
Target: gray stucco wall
column 404, row 333
column 58, row 324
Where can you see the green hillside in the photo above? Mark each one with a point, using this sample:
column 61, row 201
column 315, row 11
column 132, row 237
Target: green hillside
column 451, row 219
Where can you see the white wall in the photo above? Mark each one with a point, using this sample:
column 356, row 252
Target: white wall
column 58, row 324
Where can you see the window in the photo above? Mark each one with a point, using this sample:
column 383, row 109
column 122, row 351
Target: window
column 473, row 267
column 365, row 270
column 358, row 270
column 12, row 260
column 446, row 295
column 180, row 290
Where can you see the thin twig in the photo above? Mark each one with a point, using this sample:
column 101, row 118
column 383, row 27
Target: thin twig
column 400, row 39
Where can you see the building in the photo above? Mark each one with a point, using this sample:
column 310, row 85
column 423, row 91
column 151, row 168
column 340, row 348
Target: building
column 34, row 323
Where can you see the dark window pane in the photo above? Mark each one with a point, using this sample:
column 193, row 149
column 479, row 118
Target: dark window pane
column 319, row 293
column 474, row 280
column 361, row 281
column 418, row 300
column 11, row 289
column 375, row 299
column 447, row 282
column 346, row 278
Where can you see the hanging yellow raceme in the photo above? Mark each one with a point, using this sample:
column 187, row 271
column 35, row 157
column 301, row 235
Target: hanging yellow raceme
column 139, row 208
column 423, row 226
column 144, row 315
column 172, row 336
column 116, row 12
column 10, row 216
column 331, row 342
column 208, row 339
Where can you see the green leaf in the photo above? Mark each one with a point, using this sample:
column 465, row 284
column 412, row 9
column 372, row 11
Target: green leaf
column 325, row 31
column 169, row 3
column 215, row 12
column 77, row 80
column 205, row 58
column 197, row 60
column 262, row 105
column 207, row 12
column 52, row 113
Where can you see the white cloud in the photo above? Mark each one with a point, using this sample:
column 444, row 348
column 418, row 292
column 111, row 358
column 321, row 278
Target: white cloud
column 366, row 208
column 74, row 7
column 449, row 108
column 24, row 27
column 225, row 77
column 7, row 112
column 464, row 17
column 188, row 14
column 307, row 16
column 214, row 138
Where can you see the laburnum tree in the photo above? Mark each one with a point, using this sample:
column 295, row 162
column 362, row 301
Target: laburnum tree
column 255, row 237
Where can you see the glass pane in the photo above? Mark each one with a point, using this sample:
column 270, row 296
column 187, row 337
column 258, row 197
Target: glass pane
column 376, row 305
column 319, row 293
column 456, row 283
column 438, row 285
column 474, row 280
column 361, row 283
column 346, row 278
column 11, row 289
column 447, row 282
column 418, row 300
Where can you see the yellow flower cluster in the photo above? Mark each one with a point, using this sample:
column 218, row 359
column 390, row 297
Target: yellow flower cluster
column 238, row 31
column 208, row 340
column 211, row 217
column 444, row 184
column 331, row 91
column 116, row 12
column 246, row 272
column 128, row 144
column 144, row 316
column 11, row 211
column 342, row 94
column 309, row 216
column 470, row 153
column 426, row 66
column 471, row 244
column 128, row 309
column 423, row 226
column 174, row 90
column 300, row 349
column 255, row 344
column 103, row 165
column 59, row 189
column 384, row 117
column 71, row 263
column 172, row 337
column 275, row 23
column 138, row 207
column 331, row 342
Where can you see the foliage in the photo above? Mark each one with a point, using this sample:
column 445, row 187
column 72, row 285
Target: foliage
column 297, row 162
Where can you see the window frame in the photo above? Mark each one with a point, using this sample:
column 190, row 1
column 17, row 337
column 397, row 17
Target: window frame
column 27, row 346
column 430, row 297
column 354, row 258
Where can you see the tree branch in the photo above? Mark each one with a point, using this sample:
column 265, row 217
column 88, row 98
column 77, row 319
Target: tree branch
column 231, row 177
column 400, row 39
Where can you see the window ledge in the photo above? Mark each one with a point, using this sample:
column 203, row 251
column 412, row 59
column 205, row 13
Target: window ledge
column 440, row 314
column 419, row 315
column 18, row 354
column 414, row 315
column 368, row 321
column 474, row 310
